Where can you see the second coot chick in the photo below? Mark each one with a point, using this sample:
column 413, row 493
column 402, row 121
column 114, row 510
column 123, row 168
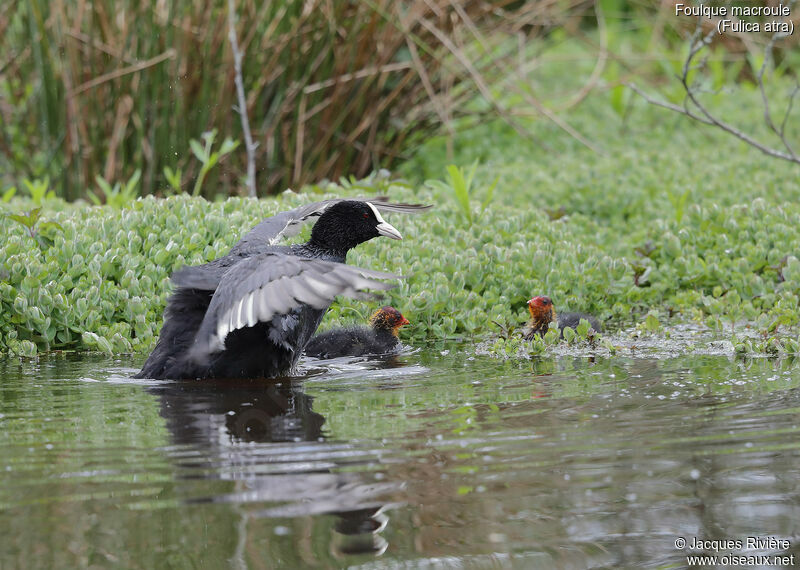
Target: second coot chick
column 379, row 338
column 543, row 313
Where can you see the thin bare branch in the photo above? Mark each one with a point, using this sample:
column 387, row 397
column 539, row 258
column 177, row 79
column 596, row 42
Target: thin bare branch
column 249, row 146
column 665, row 105
column 789, row 106
column 768, row 57
column 696, row 110
column 727, row 127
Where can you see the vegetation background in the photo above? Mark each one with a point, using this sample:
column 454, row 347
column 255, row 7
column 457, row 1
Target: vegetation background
column 332, row 88
column 550, row 173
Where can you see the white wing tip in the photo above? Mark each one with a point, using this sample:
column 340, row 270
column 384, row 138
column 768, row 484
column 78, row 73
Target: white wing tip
column 250, row 313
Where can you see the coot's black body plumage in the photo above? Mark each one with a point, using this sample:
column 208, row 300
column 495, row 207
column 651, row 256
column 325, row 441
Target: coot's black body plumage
column 250, row 313
column 378, row 338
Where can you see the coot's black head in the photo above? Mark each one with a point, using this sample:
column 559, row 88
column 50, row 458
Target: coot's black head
column 349, row 223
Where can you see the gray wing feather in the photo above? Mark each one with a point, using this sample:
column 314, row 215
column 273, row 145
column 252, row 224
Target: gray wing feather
column 205, row 277
column 269, row 232
column 282, row 225
column 383, row 204
column 263, row 286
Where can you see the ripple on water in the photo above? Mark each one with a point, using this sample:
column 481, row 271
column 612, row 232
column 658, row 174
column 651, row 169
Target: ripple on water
column 436, row 458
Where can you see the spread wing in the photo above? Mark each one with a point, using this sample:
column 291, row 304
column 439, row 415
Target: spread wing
column 289, row 223
column 269, row 232
column 260, row 287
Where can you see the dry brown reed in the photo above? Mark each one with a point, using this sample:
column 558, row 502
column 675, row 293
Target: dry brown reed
column 333, row 87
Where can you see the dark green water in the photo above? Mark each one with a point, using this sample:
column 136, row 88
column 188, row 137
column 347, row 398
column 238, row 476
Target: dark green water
column 425, row 461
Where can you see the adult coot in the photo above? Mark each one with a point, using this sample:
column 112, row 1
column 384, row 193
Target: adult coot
column 543, row 313
column 379, row 338
column 250, row 313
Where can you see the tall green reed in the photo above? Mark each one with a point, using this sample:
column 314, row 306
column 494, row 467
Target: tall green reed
column 333, row 88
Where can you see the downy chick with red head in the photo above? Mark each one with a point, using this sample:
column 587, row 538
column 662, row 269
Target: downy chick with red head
column 543, row 313
column 381, row 337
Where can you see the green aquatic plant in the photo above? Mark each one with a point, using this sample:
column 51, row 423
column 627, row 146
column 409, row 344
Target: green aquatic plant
column 773, row 346
column 619, row 254
column 207, row 156
column 378, row 182
column 108, row 270
column 39, row 231
column 516, row 346
column 651, row 323
column 7, row 194
column 173, row 178
column 39, row 189
column 459, row 184
column 106, row 273
column 120, row 195
column 679, row 201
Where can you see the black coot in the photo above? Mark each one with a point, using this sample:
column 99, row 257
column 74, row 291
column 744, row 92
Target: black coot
column 250, row 313
column 379, row 338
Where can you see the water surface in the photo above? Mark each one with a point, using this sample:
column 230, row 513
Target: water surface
column 435, row 459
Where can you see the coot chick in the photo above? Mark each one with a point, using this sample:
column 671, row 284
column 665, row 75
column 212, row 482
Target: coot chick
column 250, row 313
column 378, row 338
column 543, row 313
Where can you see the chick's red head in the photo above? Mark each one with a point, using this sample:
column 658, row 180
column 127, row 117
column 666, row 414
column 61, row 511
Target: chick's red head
column 541, row 309
column 388, row 318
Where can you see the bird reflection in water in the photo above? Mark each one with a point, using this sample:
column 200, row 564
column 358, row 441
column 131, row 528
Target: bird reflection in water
column 265, row 436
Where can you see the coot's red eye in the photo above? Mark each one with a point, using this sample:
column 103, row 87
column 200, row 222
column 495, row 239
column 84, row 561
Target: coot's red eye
column 366, row 216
